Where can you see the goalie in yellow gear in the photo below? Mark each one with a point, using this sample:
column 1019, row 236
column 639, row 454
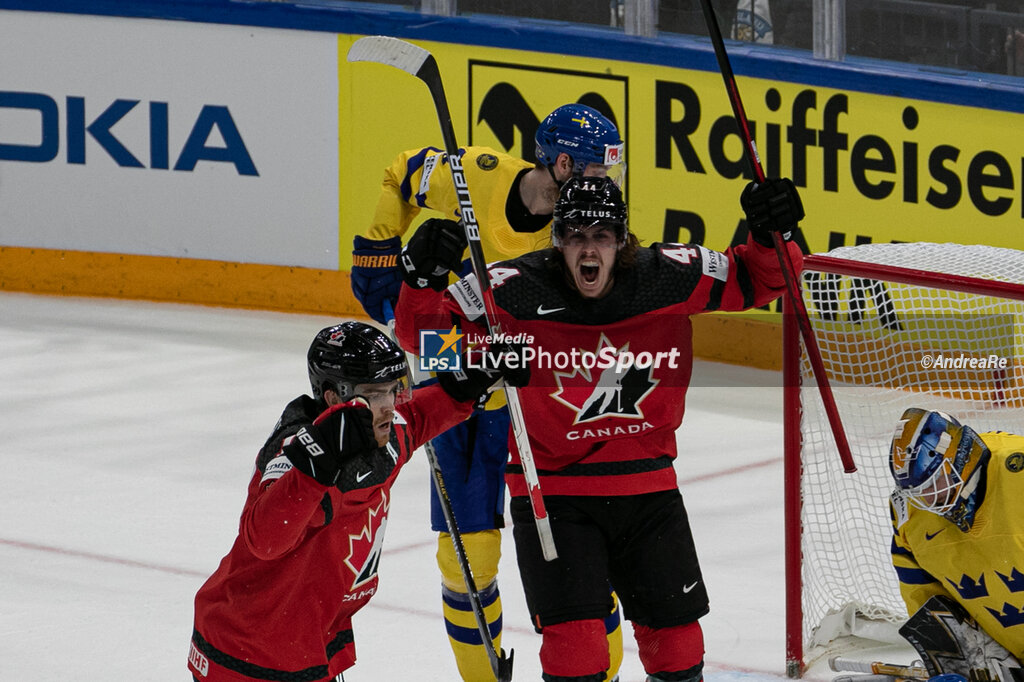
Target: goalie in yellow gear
column 957, row 528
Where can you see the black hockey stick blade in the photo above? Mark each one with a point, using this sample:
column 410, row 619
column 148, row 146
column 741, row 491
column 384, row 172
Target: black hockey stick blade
column 505, row 666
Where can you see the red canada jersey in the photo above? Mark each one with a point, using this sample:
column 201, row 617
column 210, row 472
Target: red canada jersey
column 280, row 604
column 608, row 376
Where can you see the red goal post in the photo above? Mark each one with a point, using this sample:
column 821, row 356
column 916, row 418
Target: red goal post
column 938, row 326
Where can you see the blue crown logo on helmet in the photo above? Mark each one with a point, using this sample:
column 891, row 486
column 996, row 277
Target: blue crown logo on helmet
column 583, row 133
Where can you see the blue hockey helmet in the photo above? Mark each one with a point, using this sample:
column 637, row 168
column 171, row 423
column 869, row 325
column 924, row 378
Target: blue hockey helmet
column 923, row 459
column 583, row 133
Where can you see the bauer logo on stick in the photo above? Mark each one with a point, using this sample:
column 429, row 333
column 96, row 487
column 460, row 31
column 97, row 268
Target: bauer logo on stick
column 440, row 350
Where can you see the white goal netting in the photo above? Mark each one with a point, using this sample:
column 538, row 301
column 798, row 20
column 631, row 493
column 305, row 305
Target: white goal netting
column 888, row 345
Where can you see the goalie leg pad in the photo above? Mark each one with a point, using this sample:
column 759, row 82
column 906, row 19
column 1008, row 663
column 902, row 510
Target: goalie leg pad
column 574, row 650
column 674, row 653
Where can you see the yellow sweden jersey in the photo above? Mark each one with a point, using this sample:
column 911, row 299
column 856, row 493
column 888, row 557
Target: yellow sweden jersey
column 983, row 568
column 420, row 179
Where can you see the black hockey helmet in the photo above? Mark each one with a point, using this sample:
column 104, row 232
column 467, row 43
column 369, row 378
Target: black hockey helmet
column 352, row 353
column 588, row 202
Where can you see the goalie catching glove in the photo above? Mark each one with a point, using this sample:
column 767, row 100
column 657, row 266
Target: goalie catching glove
column 341, row 433
column 504, row 361
column 432, row 252
column 950, row 642
column 771, row 206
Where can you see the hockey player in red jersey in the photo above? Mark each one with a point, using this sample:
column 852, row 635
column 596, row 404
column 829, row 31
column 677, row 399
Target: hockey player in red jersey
column 513, row 200
column 607, row 325
column 280, row 604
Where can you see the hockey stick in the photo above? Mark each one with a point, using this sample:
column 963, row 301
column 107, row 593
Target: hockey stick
column 871, row 678
column 501, row 666
column 420, row 63
column 914, row 672
column 788, row 270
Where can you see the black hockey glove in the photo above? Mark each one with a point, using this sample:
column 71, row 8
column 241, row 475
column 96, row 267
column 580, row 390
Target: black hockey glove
column 342, row 432
column 771, row 206
column 432, row 252
column 375, row 274
column 503, row 361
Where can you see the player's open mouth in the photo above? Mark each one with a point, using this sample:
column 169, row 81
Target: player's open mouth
column 589, row 270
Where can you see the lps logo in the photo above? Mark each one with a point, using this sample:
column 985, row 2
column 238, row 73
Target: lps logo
column 440, row 350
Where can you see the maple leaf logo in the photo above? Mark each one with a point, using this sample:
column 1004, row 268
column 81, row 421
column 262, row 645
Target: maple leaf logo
column 365, row 548
column 616, row 392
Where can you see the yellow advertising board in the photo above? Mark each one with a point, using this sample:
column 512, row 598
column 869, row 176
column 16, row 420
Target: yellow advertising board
column 870, row 168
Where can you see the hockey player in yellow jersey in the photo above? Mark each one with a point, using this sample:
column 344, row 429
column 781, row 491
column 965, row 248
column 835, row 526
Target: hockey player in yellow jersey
column 958, row 531
column 513, row 200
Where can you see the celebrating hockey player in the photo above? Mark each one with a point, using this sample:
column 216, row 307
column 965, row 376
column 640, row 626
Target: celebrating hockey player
column 958, row 544
column 513, row 200
column 603, row 425
column 280, row 604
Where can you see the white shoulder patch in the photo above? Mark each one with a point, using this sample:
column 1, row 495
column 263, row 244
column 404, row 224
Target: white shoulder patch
column 276, row 468
column 899, row 505
column 714, row 264
column 429, row 164
column 466, row 293
column 399, row 418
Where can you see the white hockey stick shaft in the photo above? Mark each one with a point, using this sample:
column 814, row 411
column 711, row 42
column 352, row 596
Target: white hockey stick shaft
column 420, row 63
column 840, row 664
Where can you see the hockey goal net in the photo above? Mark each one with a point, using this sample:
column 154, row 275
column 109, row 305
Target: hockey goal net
column 937, row 326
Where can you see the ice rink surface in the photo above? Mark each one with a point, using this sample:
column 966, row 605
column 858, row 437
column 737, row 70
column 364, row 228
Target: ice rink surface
column 129, row 432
